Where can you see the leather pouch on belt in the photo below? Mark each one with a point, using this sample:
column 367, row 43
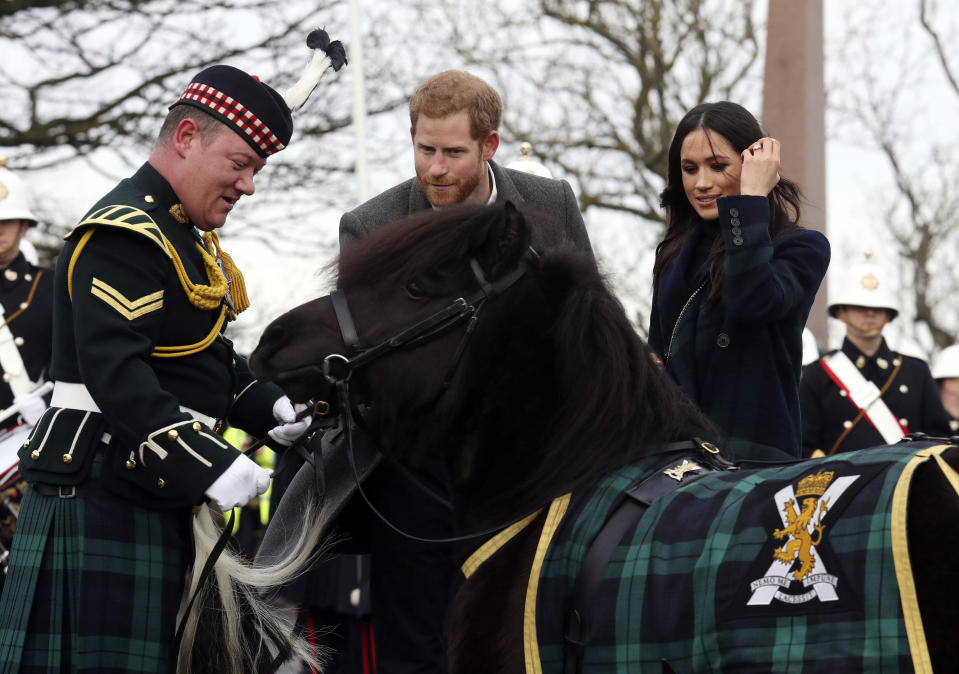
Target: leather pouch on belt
column 61, row 447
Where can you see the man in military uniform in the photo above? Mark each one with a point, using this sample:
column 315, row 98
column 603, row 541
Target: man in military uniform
column 25, row 327
column 864, row 394
column 26, row 298
column 945, row 370
column 143, row 377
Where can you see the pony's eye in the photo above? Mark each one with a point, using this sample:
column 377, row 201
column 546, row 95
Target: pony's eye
column 415, row 291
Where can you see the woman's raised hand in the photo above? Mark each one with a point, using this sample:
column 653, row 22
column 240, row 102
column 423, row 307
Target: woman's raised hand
column 760, row 167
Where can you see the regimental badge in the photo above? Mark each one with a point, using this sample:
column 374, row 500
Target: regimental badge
column 179, row 214
column 796, row 561
column 869, row 281
column 679, row 472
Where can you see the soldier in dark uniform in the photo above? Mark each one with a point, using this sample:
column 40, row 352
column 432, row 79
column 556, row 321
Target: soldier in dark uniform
column 144, row 375
column 26, row 297
column 865, row 394
column 945, row 370
column 25, row 327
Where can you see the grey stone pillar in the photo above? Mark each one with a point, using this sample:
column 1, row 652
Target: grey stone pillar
column 793, row 112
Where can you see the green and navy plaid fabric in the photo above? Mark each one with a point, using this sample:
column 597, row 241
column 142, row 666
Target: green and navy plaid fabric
column 697, row 585
column 94, row 586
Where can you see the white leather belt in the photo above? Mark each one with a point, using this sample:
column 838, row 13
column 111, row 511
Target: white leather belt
column 75, row 396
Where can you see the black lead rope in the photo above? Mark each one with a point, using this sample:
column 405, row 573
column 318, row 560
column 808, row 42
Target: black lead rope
column 343, row 394
column 204, row 575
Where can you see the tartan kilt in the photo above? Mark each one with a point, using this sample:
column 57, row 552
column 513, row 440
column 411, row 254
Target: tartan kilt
column 697, row 583
column 94, row 585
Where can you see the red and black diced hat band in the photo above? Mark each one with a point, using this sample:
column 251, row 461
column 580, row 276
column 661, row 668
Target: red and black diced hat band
column 251, row 108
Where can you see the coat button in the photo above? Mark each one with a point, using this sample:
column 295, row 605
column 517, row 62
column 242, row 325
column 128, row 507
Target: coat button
column 160, row 483
column 734, row 222
column 904, row 421
column 67, row 458
column 173, row 435
column 736, row 231
column 738, row 240
column 734, row 212
column 847, row 424
column 722, row 341
column 843, row 393
column 7, row 376
column 130, row 464
column 904, row 389
column 18, row 341
column 149, row 199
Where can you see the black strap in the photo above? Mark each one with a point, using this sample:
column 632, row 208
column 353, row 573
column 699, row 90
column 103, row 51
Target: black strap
column 345, row 320
column 623, row 520
column 204, row 575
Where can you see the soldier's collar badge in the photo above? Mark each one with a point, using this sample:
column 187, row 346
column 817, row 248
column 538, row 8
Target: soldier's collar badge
column 179, row 213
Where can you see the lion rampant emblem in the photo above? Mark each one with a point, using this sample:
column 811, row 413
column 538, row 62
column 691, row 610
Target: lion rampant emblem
column 800, row 543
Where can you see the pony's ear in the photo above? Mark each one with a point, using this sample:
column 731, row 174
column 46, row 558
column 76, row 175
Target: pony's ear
column 503, row 241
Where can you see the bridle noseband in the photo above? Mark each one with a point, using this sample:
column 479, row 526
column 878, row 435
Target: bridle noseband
column 338, row 369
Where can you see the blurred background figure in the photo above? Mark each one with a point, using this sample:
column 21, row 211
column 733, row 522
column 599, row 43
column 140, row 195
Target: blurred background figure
column 527, row 164
column 945, row 370
column 865, row 394
column 26, row 310
column 810, row 349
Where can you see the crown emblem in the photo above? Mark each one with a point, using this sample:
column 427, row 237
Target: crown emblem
column 814, row 485
column 869, row 281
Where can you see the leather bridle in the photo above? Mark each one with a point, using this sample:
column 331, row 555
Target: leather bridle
column 338, row 369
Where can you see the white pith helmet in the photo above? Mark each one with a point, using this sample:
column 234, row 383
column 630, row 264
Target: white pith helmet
column 13, row 196
column 946, row 363
column 865, row 285
column 528, row 165
column 810, row 350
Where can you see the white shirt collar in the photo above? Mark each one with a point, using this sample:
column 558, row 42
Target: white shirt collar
column 492, row 179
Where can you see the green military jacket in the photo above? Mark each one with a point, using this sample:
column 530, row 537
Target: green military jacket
column 125, row 327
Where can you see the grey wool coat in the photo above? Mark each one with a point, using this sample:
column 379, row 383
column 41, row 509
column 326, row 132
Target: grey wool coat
column 529, row 193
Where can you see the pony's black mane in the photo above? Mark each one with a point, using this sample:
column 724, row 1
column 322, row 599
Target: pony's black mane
column 556, row 389
column 422, row 241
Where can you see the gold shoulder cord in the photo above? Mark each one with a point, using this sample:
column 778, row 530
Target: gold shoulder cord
column 205, row 297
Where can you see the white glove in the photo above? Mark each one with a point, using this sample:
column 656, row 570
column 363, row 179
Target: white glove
column 31, row 407
column 239, row 483
column 289, row 429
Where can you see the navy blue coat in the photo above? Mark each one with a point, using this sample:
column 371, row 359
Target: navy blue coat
column 739, row 359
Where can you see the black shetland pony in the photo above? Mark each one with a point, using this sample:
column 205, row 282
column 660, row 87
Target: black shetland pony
column 524, row 369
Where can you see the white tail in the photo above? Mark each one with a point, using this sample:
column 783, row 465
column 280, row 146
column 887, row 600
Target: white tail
column 245, row 607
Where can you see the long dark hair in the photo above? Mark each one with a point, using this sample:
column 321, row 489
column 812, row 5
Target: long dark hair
column 738, row 126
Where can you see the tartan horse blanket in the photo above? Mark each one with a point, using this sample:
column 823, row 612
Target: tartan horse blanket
column 802, row 567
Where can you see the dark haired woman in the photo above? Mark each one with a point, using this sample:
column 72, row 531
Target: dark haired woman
column 734, row 279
